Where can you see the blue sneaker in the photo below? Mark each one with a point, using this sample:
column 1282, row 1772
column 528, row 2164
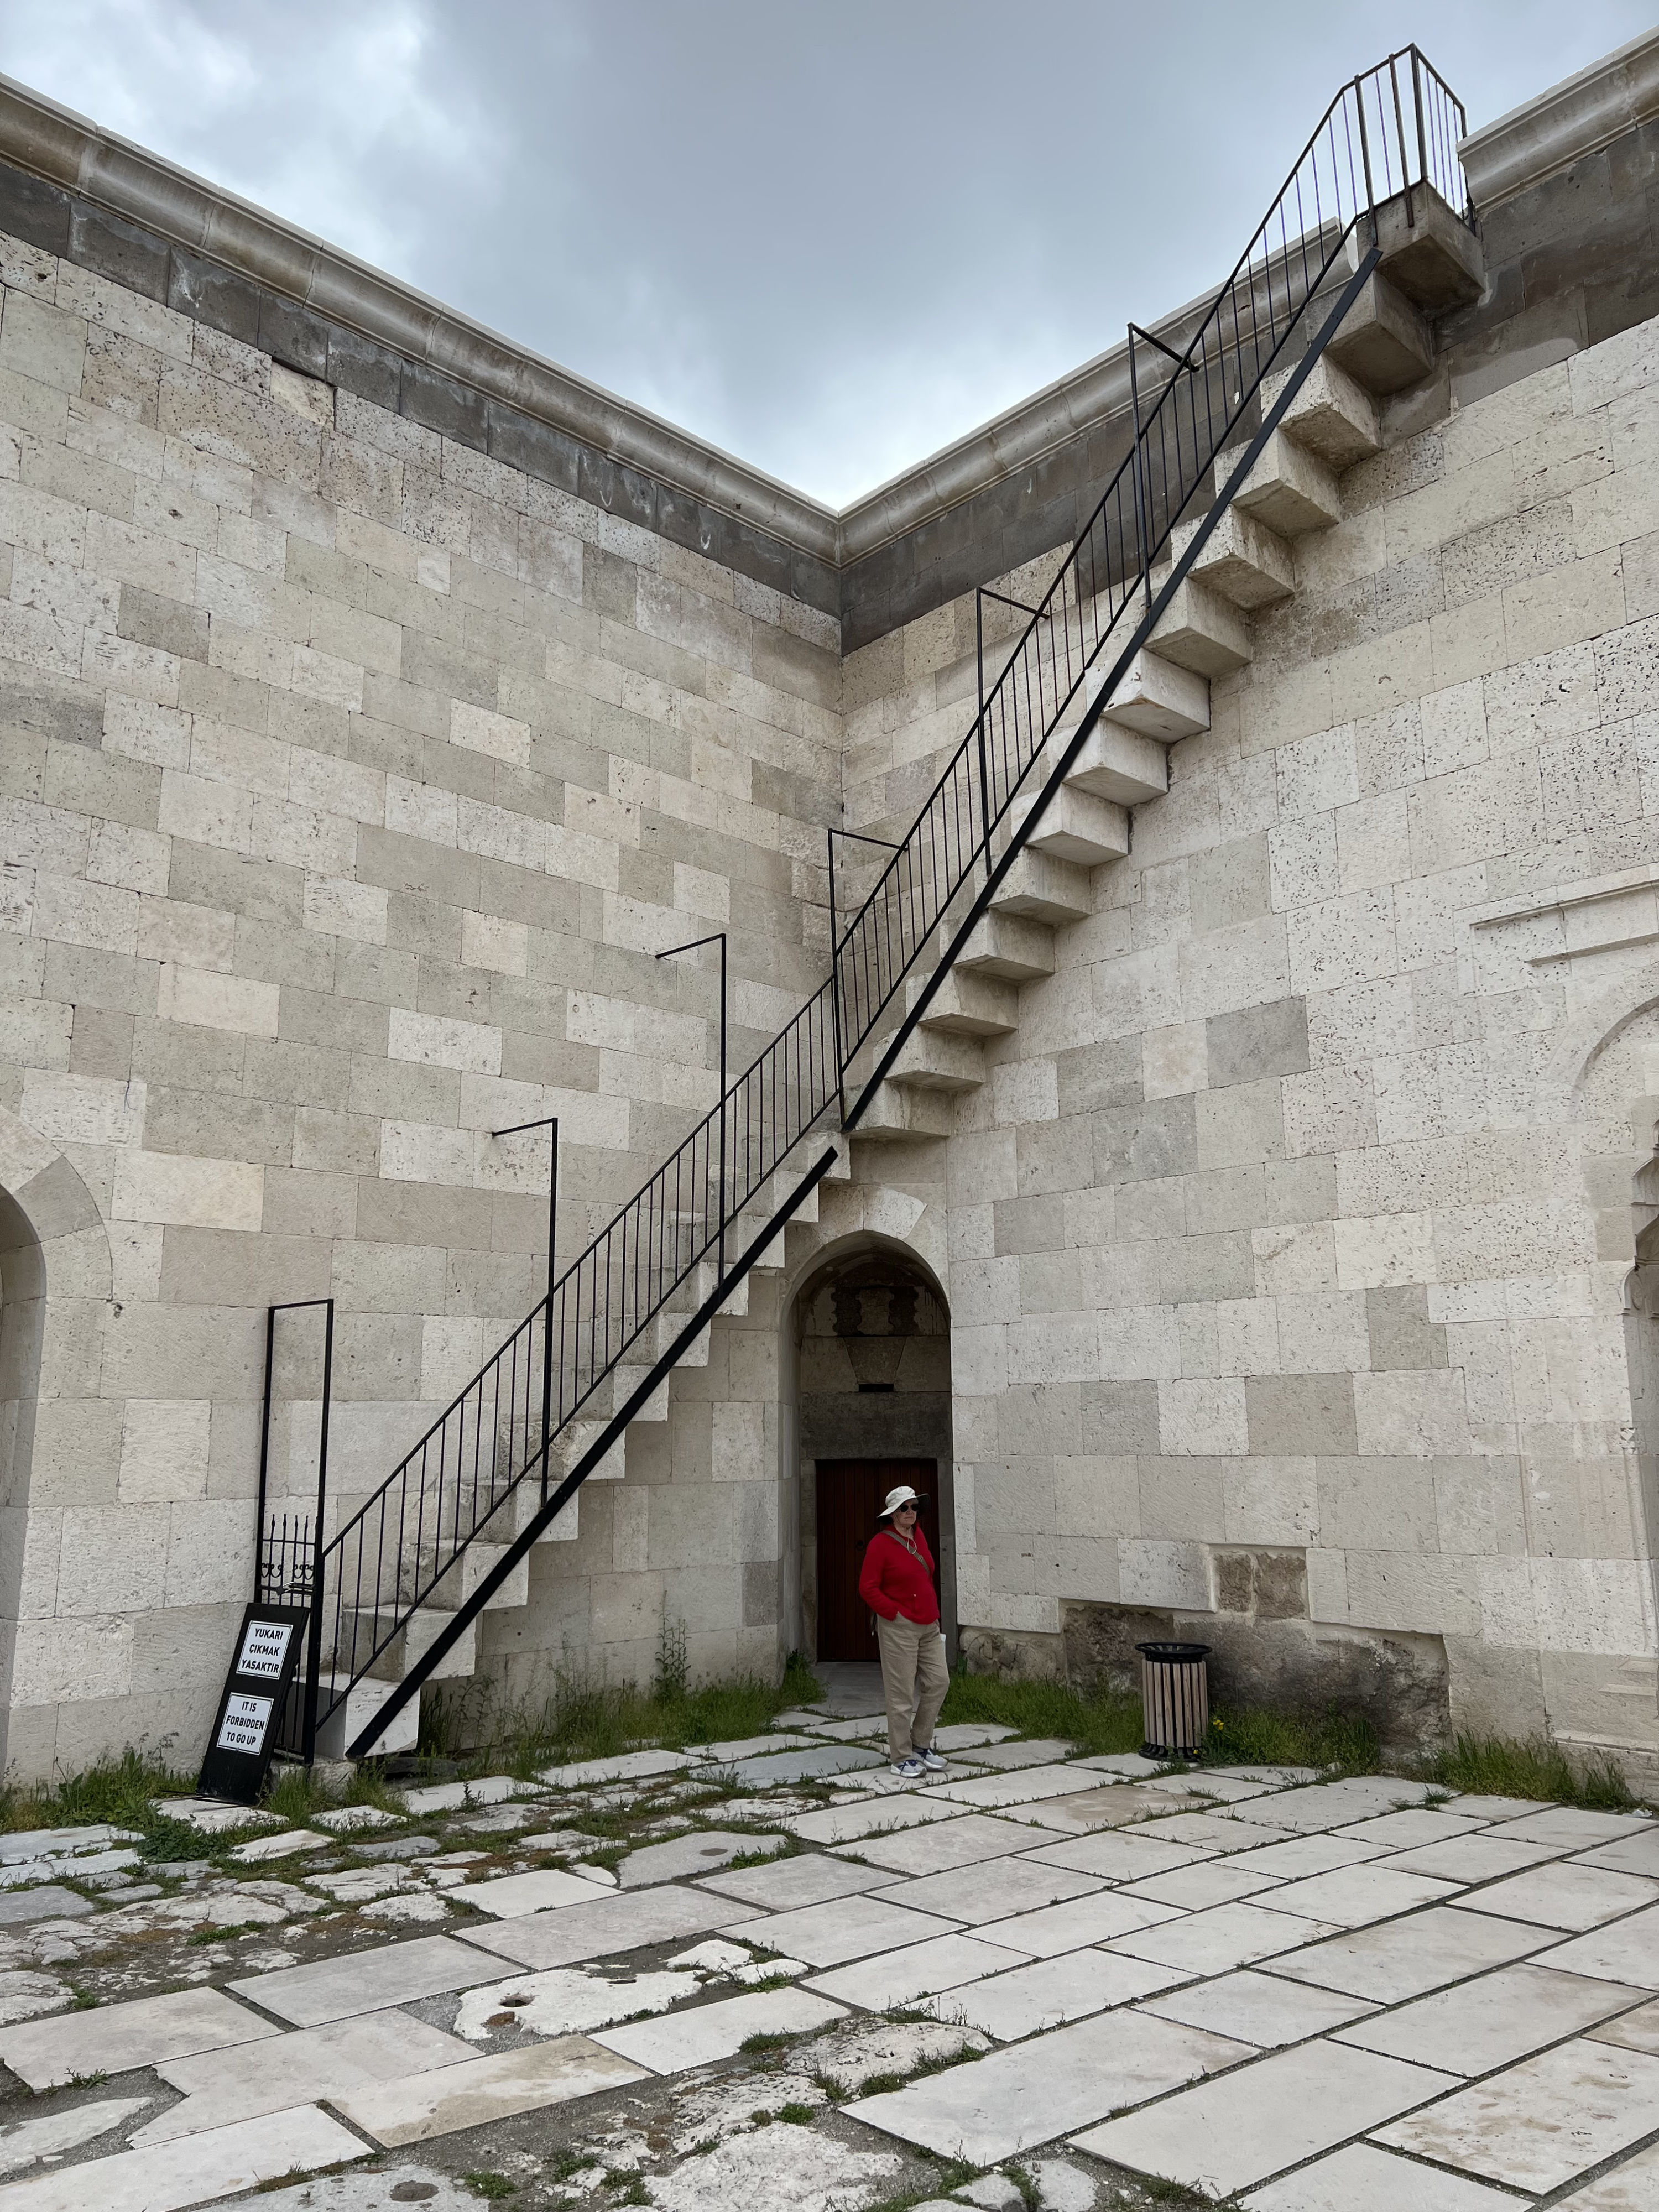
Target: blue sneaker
column 931, row 1759
column 911, row 1769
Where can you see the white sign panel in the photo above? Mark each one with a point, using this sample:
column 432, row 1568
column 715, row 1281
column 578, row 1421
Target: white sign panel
column 264, row 1647
column 244, row 1723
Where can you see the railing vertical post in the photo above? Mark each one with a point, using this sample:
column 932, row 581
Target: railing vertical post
column 1399, row 131
column 722, row 1242
column 264, row 1459
column 1417, row 100
column 1143, row 532
column 547, row 1323
column 314, row 1640
column 984, row 776
column 835, row 979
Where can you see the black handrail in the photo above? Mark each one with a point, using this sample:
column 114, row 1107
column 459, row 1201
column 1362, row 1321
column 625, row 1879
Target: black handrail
column 393, row 1553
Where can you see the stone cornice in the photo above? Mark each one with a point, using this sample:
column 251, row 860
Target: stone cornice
column 1562, row 125
column 68, row 150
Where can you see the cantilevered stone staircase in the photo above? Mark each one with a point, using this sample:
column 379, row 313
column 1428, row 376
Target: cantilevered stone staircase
column 1238, row 456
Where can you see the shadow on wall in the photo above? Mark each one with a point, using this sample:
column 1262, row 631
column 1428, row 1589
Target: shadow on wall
column 872, row 1347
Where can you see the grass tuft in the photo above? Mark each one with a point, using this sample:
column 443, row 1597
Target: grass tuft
column 1502, row 1766
column 1345, row 1743
column 1101, row 1722
column 492, row 2185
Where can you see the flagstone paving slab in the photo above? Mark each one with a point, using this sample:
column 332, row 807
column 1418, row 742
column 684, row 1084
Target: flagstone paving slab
column 1226, row 1936
column 1300, row 1857
column 197, row 2170
column 783, row 2169
column 1118, row 1856
column 1631, row 2186
column 512, row 1895
column 486, row 1789
column 1484, row 1807
column 1565, row 1895
column 869, row 1816
column 1215, row 1833
column 897, row 1977
column 846, row 1929
column 351, row 1819
column 626, row 1767
column 1027, row 1785
column 1481, row 2025
column 26, row 2142
column 51, row 1902
column 283, row 1846
column 1577, row 1830
column 1402, row 1958
column 1420, row 1823
column 968, row 1841
column 1080, row 1813
column 625, row 1922
column 365, row 1981
column 115, row 2038
column 1329, row 1805
column 1363, row 2178
column 1094, row 1919
column 25, row 1996
column 1216, row 1881
column 1354, row 1896
column 812, row 1879
column 212, row 1816
column 1638, row 1854
column 967, row 1735
column 1637, row 2030
column 1252, row 2007
column 1542, row 2122
column 809, row 1762
column 1031, row 2092
column 1044, row 1751
column 1227, row 2135
column 1481, row 1857
column 221, row 2086
column 704, row 1851
column 1030, row 1999
column 1627, row 1951
column 420, row 2106
column 994, row 1891
column 712, row 2032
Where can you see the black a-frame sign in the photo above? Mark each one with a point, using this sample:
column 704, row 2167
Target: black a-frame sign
column 249, row 1718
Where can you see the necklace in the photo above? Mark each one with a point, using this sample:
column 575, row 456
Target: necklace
column 907, row 1544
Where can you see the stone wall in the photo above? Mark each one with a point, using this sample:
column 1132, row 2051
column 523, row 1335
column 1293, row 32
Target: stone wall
column 351, row 780
column 1290, row 1235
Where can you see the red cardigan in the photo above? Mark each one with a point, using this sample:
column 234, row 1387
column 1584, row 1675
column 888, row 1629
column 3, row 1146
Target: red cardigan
column 891, row 1583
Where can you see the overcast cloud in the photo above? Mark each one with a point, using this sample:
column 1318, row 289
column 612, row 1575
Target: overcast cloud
column 829, row 238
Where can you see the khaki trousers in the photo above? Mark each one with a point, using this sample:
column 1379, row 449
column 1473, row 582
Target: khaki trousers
column 913, row 1679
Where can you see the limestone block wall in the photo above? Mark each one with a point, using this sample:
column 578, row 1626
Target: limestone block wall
column 1289, row 1237
column 351, row 779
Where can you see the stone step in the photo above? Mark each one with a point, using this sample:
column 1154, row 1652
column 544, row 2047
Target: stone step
column 1075, row 826
column 1040, row 888
column 1008, row 947
column 469, row 1571
column 1385, row 342
column 966, row 1004
column 1332, row 415
column 900, row 1115
column 1428, row 253
column 410, row 1642
column 1200, row 630
column 362, row 1700
column 627, row 1376
column 935, row 1059
column 1291, row 490
column 1159, row 698
column 1117, row 763
column 1242, row 558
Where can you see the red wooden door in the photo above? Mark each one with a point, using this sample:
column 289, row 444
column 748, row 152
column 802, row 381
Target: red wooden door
column 850, row 1495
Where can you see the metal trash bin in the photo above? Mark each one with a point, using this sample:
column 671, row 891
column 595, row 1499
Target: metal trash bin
column 1174, row 1690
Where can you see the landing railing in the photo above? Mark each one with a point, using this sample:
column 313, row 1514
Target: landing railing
column 1390, row 133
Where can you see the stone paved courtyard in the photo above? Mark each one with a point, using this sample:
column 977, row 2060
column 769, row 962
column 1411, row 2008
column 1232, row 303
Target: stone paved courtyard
column 1047, row 1980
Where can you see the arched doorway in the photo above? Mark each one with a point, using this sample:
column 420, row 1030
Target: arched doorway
column 872, row 1362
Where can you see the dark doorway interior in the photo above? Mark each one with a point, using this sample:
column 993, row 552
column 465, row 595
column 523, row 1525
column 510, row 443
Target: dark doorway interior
column 850, row 1497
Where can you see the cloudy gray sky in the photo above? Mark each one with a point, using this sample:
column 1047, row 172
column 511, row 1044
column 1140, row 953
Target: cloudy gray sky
column 829, row 237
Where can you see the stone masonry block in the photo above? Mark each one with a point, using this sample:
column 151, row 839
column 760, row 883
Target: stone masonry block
column 1306, row 1415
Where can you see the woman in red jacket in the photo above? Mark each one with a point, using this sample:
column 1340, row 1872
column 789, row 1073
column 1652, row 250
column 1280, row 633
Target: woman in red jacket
column 897, row 1584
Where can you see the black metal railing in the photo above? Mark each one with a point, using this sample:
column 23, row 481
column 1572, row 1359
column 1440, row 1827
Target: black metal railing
column 1389, row 134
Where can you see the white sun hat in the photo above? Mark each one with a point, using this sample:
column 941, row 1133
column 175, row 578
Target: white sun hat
column 902, row 1496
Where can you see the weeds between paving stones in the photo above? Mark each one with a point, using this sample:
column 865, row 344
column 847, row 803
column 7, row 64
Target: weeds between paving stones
column 1500, row 1767
column 492, row 2185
